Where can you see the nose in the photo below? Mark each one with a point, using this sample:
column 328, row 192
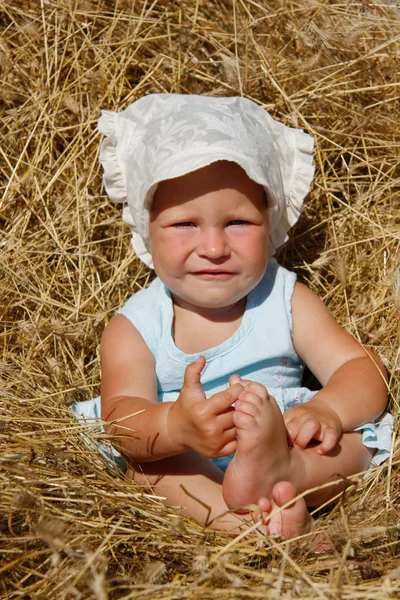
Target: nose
column 213, row 244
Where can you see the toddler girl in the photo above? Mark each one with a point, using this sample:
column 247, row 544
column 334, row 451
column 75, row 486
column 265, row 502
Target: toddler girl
column 210, row 187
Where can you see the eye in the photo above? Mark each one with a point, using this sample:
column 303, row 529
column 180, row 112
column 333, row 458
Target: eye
column 238, row 222
column 183, row 225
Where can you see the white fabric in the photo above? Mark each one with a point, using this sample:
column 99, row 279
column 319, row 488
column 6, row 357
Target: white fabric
column 162, row 136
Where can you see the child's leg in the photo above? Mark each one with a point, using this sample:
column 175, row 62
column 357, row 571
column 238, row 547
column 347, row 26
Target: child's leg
column 263, row 458
column 350, row 456
column 203, row 480
column 199, row 476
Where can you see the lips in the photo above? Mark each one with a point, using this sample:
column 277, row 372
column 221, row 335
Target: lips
column 213, row 274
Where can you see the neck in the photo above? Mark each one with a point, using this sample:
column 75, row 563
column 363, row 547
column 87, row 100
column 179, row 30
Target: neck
column 225, row 314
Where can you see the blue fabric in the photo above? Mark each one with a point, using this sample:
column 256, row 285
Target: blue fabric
column 260, row 350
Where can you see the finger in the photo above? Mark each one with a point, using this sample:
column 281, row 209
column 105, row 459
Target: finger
column 329, row 441
column 228, row 448
column 229, row 435
column 227, row 443
column 227, row 438
column 224, row 421
column 291, row 432
column 222, row 401
column 308, row 430
column 193, row 372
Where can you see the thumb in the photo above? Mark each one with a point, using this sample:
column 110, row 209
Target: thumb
column 193, row 371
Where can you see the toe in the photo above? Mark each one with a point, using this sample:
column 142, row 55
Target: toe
column 242, row 420
column 265, row 507
column 246, row 407
column 294, row 519
column 264, row 504
column 283, row 492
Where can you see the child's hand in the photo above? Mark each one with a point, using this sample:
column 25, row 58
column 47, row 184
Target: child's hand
column 201, row 424
column 313, row 420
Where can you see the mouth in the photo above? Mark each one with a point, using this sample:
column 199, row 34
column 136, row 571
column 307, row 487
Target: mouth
column 213, row 274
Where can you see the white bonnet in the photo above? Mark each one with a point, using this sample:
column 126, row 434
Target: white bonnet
column 162, row 136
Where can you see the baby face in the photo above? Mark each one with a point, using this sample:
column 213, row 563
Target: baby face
column 209, row 234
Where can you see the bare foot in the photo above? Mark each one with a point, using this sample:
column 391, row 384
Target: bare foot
column 262, row 456
column 292, row 521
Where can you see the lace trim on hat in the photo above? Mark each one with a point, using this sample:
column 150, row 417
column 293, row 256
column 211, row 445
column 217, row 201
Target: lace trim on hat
column 138, row 244
column 114, row 181
column 296, row 189
column 108, row 157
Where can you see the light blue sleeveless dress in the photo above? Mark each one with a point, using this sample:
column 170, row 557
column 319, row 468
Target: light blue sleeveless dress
column 260, row 350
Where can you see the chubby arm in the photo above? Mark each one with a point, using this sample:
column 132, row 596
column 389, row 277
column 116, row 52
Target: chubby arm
column 148, row 430
column 129, row 386
column 354, row 379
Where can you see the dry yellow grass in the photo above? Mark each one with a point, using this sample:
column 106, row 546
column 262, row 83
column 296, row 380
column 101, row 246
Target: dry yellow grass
column 70, row 527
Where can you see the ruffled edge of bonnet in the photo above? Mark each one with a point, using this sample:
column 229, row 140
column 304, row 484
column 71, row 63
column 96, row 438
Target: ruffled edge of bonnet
column 298, row 186
column 108, row 157
column 114, row 183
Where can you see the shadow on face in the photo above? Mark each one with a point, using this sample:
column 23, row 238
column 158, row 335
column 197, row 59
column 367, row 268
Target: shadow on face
column 219, row 175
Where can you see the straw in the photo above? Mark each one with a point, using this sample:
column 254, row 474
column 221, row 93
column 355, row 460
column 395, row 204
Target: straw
column 70, row 526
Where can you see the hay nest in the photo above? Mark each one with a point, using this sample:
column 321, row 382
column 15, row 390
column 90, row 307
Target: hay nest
column 70, row 527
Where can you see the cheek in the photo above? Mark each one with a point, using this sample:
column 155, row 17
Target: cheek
column 255, row 246
column 177, row 245
column 169, row 248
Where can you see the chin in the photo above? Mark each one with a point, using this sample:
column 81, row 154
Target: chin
column 214, row 303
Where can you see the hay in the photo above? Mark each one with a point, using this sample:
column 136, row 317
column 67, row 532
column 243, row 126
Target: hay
column 70, row 527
